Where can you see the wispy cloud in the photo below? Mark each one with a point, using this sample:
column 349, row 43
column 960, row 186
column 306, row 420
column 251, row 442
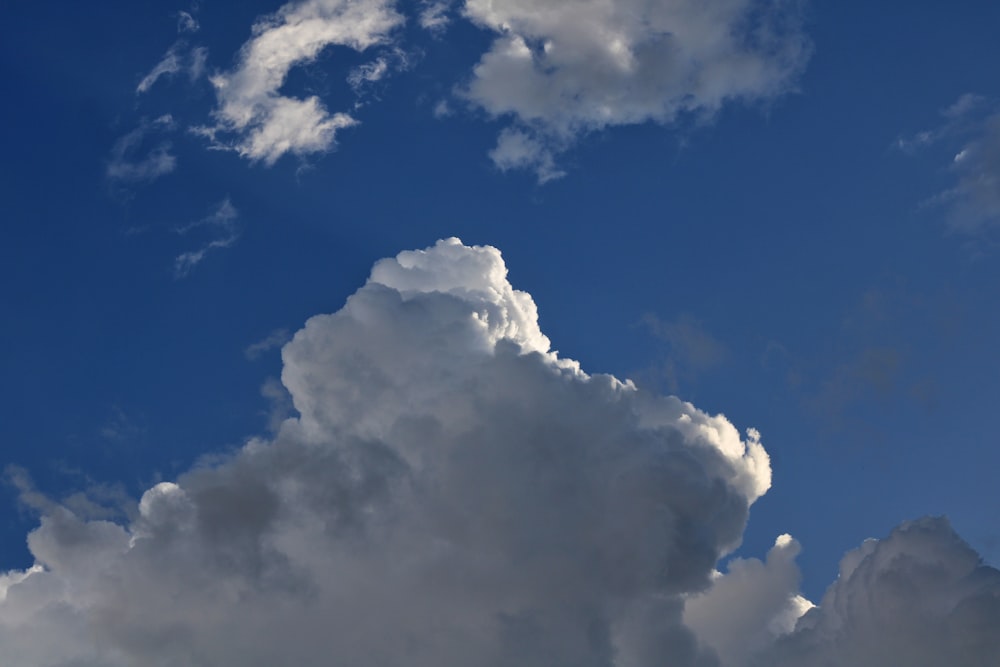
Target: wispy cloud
column 221, row 223
column 273, row 340
column 970, row 138
column 253, row 117
column 133, row 161
column 559, row 70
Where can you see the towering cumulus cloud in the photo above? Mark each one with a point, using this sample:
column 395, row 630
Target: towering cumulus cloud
column 452, row 492
column 560, row 68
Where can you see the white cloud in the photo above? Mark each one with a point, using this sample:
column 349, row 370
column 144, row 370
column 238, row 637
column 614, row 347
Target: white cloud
column 177, row 58
column 186, row 22
column 516, row 149
column 127, row 164
column 434, row 15
column 222, row 225
column 921, row 597
column 267, row 124
column 750, row 606
column 451, row 492
column 565, row 68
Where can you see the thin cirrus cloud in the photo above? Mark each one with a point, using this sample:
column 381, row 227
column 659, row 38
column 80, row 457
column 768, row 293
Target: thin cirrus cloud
column 555, row 71
column 223, row 232
column 451, row 491
column 970, row 134
column 133, row 161
column 252, row 117
column 179, row 57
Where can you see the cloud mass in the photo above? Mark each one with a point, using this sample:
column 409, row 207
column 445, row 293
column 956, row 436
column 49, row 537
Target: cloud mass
column 452, row 492
column 561, row 69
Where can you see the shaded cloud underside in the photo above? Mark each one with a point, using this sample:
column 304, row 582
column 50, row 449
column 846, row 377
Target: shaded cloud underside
column 453, row 492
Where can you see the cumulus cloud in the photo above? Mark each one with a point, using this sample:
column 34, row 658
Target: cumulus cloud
column 560, row 69
column 750, row 606
column 451, row 491
column 921, row 597
column 253, row 117
column 221, row 225
column 134, row 161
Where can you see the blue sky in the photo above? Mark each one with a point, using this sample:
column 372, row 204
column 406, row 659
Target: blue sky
column 798, row 231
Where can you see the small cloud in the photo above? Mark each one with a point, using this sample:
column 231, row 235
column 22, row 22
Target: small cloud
column 273, row 340
column 186, row 22
column 567, row 69
column 179, row 57
column 970, row 134
column 128, row 163
column 221, row 222
column 434, row 15
column 253, row 118
column 120, row 427
column 517, row 149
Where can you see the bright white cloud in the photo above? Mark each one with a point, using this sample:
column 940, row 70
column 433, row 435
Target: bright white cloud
column 750, row 606
column 451, row 492
column 267, row 124
column 563, row 68
column 133, row 161
column 921, row 597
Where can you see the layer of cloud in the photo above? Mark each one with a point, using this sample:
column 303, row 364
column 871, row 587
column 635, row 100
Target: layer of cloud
column 221, row 227
column 561, row 69
column 133, row 161
column 253, row 117
column 451, row 492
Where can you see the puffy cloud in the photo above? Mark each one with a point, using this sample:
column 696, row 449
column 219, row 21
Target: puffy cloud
column 750, row 606
column 921, row 597
column 267, row 124
column 450, row 492
column 563, row 68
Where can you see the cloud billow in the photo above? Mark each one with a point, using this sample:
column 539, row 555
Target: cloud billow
column 452, row 492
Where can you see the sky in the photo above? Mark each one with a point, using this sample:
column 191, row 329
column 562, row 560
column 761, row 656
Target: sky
column 603, row 332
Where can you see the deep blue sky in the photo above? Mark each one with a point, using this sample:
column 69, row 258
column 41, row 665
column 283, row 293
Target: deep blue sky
column 780, row 262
